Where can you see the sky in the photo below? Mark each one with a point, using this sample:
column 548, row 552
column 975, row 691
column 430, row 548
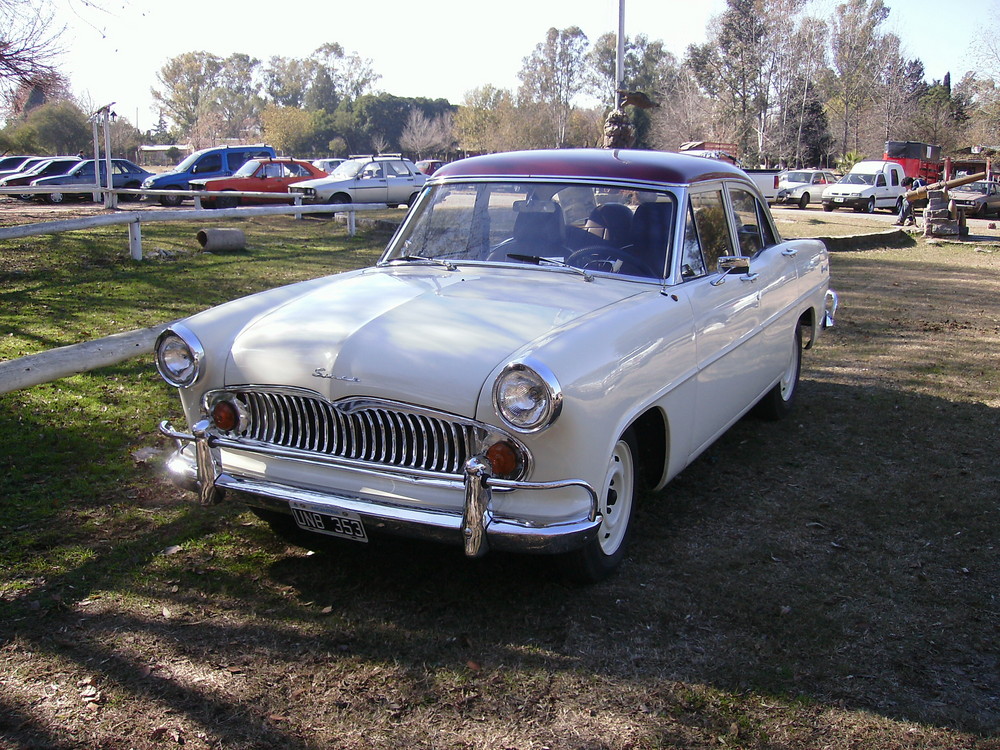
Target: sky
column 428, row 48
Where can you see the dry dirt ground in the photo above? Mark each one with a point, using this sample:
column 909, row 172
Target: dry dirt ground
column 825, row 582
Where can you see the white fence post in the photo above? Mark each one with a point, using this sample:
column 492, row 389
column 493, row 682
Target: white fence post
column 135, row 239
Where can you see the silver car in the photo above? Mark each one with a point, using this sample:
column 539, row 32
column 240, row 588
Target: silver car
column 803, row 186
column 388, row 178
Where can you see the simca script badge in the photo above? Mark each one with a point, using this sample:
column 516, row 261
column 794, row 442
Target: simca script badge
column 320, row 372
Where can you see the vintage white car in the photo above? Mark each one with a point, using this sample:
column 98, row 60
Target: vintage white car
column 546, row 333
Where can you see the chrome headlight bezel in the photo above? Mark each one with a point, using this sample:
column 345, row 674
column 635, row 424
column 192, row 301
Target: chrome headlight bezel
column 527, row 397
column 176, row 346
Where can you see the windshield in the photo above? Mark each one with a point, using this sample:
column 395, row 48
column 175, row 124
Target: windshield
column 349, row 169
column 857, row 178
column 247, row 169
column 598, row 228
column 975, row 187
column 797, row 177
column 186, row 165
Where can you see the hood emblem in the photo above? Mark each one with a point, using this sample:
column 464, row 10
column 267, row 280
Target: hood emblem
column 320, row 372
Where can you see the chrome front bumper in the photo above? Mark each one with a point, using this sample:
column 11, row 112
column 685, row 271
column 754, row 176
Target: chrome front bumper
column 478, row 528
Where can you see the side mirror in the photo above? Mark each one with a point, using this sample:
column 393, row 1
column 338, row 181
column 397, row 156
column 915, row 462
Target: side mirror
column 731, row 264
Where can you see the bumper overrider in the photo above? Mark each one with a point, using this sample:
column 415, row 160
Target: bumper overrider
column 197, row 466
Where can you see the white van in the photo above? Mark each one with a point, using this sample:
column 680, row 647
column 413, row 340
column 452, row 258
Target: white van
column 869, row 185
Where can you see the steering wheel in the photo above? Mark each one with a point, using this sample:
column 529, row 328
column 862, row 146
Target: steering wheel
column 593, row 254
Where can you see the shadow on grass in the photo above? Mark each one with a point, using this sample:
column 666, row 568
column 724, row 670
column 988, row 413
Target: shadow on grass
column 845, row 558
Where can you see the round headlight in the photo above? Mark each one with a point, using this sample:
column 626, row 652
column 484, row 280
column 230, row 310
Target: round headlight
column 178, row 357
column 527, row 398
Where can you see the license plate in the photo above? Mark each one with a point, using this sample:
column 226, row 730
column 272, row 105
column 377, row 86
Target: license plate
column 341, row 523
column 838, row 200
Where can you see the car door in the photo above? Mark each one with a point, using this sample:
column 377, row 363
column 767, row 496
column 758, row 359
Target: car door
column 371, row 186
column 726, row 313
column 401, row 182
column 773, row 273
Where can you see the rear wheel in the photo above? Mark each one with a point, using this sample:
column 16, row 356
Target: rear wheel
column 227, row 201
column 778, row 402
column 602, row 555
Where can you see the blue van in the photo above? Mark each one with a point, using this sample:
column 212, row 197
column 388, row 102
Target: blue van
column 218, row 161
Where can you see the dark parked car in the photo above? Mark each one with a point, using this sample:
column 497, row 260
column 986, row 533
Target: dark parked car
column 50, row 168
column 124, row 174
column 14, row 164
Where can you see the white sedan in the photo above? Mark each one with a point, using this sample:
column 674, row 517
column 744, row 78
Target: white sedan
column 546, row 333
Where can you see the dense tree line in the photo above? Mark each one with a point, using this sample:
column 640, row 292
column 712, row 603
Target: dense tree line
column 786, row 86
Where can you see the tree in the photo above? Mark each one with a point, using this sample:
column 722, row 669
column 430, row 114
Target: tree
column 482, row 120
column 553, row 75
column 53, row 128
column 738, row 65
column 286, row 80
column 855, row 39
column 423, row 135
column 289, row 129
column 28, row 45
column 236, row 96
column 188, row 81
column 648, row 67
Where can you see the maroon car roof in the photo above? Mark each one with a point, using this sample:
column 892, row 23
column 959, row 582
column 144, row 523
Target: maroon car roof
column 614, row 164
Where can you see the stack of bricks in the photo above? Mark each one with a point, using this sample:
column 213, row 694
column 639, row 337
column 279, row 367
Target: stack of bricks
column 942, row 219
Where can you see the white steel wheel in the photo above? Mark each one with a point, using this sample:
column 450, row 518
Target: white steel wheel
column 778, row 402
column 619, row 496
column 602, row 555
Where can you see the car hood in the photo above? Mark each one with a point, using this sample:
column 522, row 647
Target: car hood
column 411, row 334
column 966, row 195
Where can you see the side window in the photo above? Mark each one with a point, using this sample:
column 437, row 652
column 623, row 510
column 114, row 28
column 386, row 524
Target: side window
column 894, row 177
column 297, row 170
column 397, row 169
column 746, row 220
column 208, row 163
column 372, row 171
column 692, row 261
column 880, row 180
column 236, row 159
column 713, row 229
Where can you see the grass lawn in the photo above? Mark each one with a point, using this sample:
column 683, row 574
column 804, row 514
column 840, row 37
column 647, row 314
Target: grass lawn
column 824, row 582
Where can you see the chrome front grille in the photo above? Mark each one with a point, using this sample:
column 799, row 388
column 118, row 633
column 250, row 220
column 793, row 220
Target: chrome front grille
column 360, row 430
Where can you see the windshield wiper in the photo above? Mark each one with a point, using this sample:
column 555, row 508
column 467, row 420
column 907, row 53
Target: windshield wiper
column 537, row 259
column 417, row 258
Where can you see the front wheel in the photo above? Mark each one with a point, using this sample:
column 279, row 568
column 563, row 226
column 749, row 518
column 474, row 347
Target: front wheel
column 171, row 200
column 828, row 207
column 870, row 206
column 602, row 555
column 56, row 198
column 778, row 402
column 804, row 200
